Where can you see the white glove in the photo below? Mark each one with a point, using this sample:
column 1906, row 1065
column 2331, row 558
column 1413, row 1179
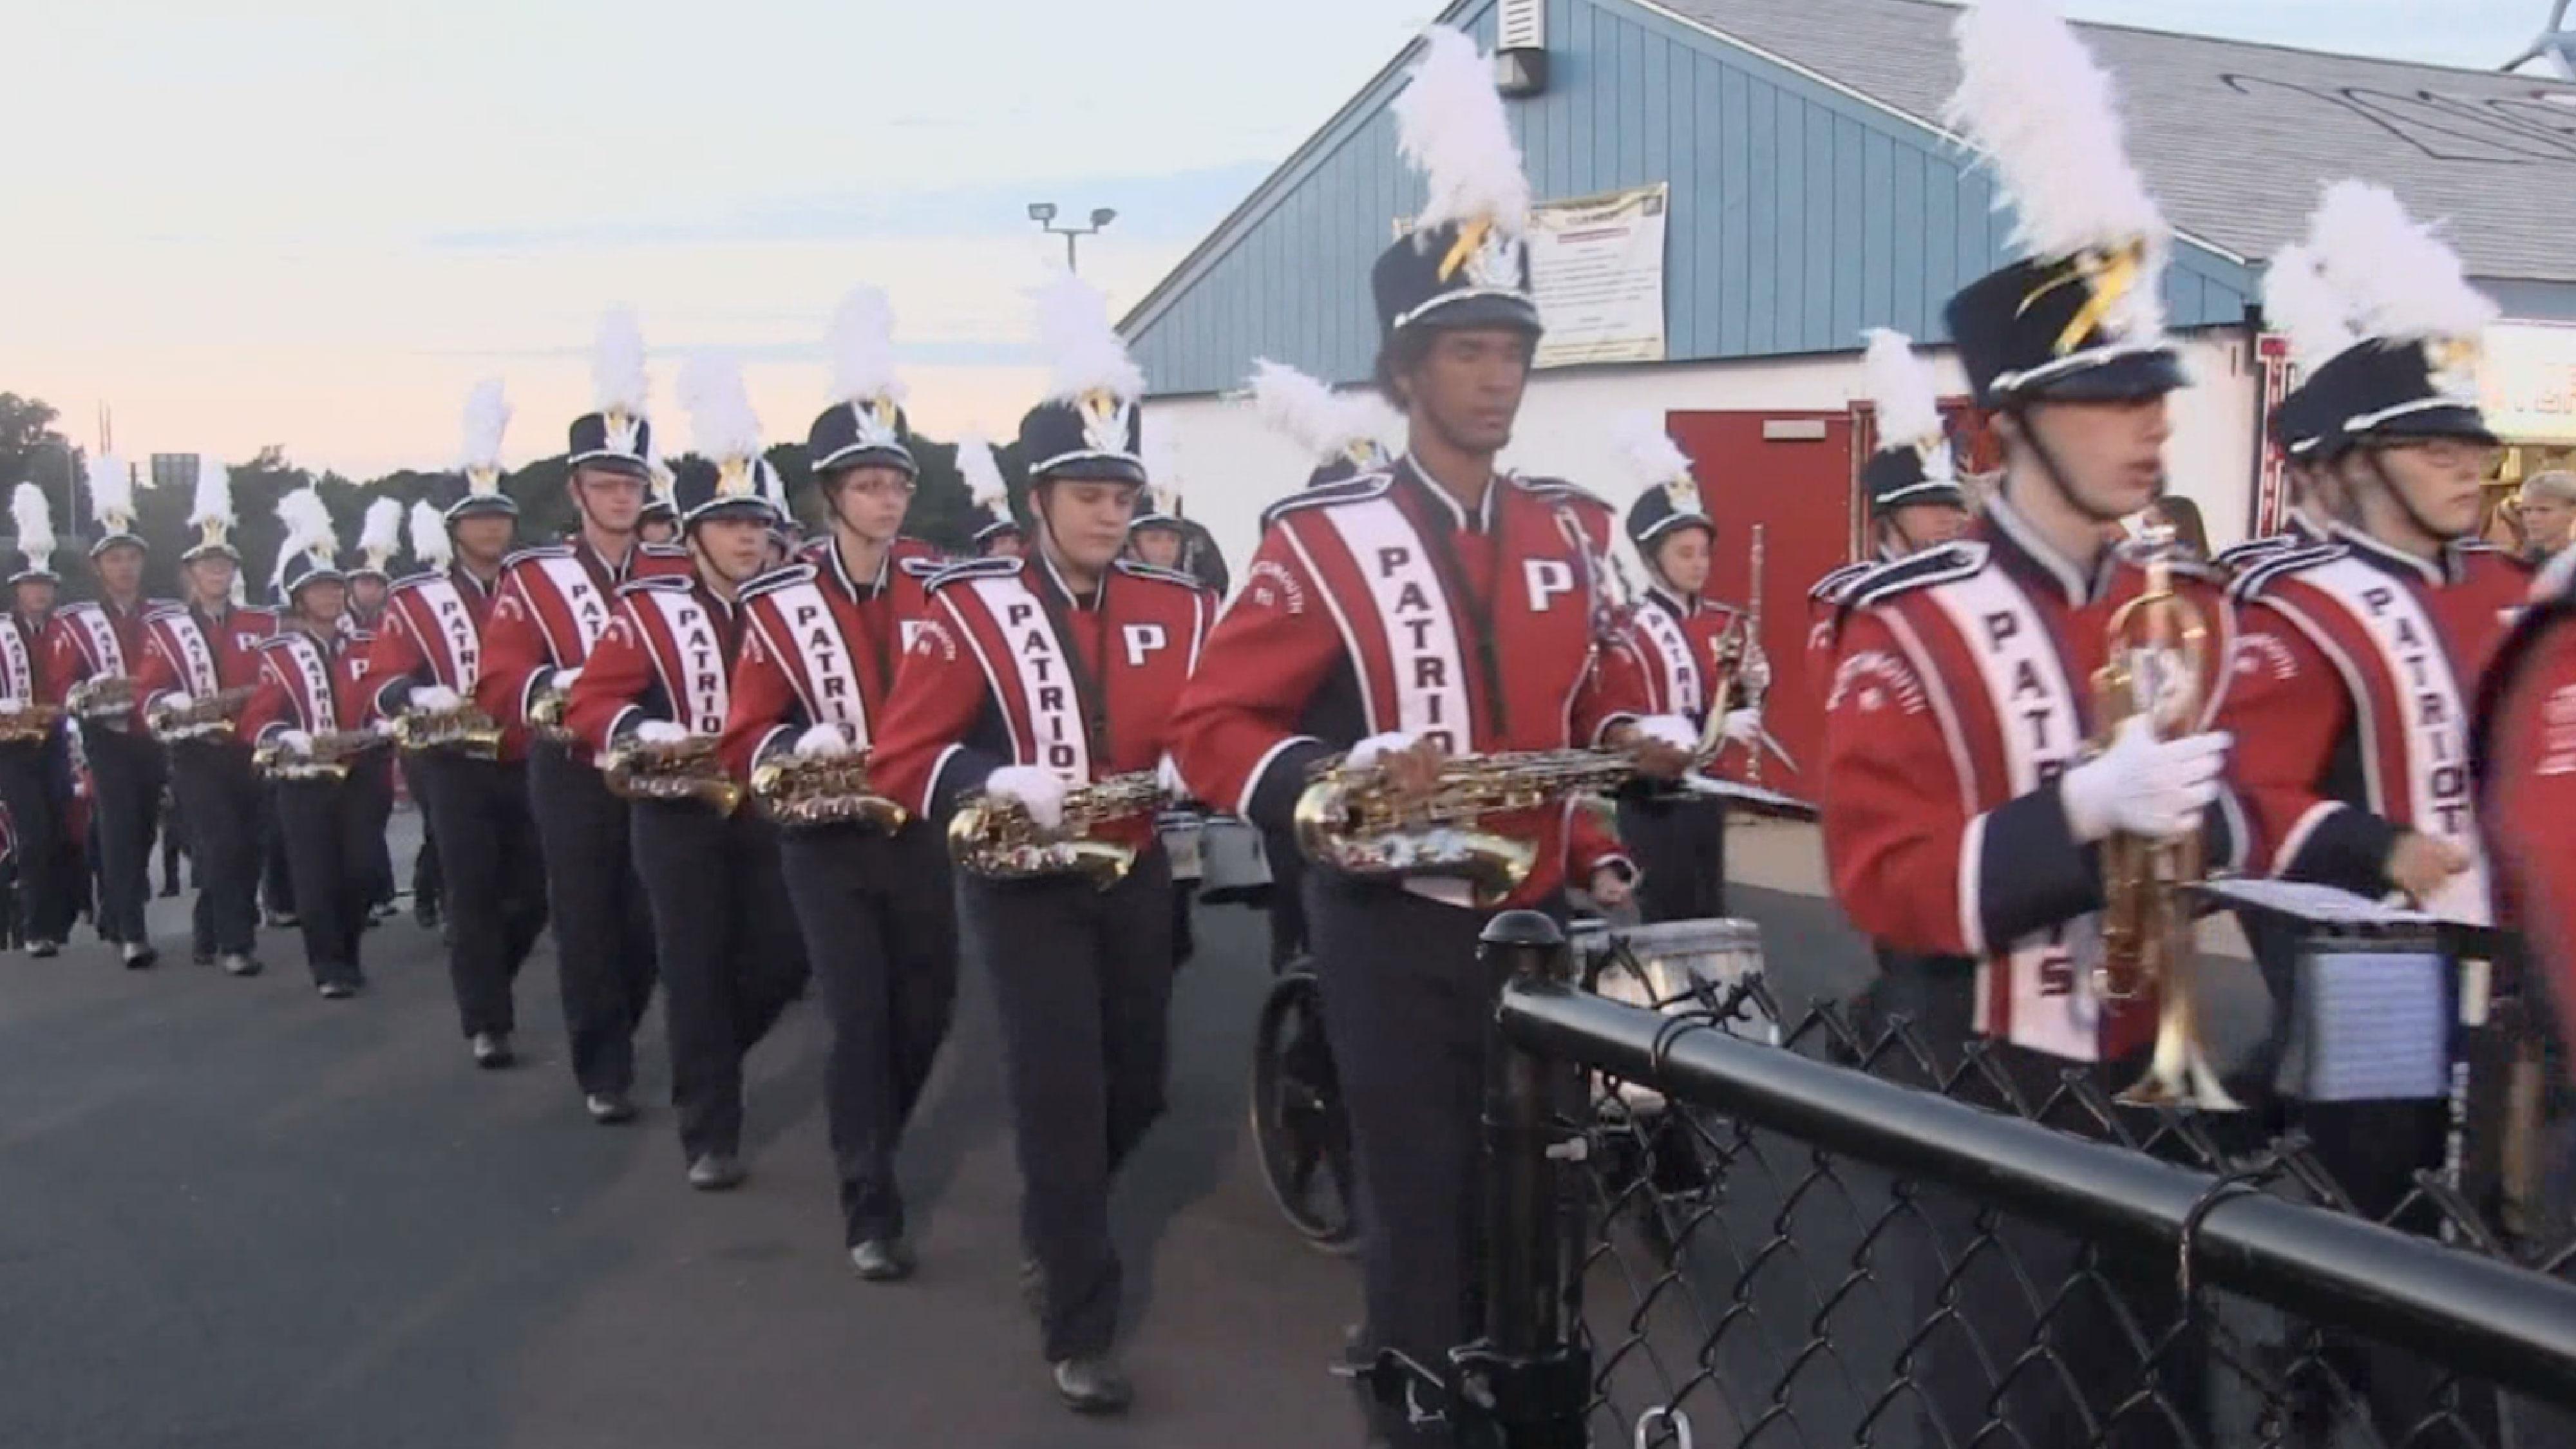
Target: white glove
column 1744, row 726
column 1376, row 747
column 660, row 732
column 1668, row 729
column 565, row 679
column 821, row 741
column 1167, row 774
column 384, row 729
column 1038, row 791
column 13, row 706
column 2142, row 786
column 295, row 742
column 435, row 699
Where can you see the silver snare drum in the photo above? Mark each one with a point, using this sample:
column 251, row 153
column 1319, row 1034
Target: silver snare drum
column 1680, row 967
column 1182, row 834
column 1234, row 864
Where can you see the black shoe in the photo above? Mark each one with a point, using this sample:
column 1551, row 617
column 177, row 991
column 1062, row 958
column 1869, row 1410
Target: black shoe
column 237, row 963
column 42, row 949
column 883, row 1260
column 338, row 990
column 139, row 957
column 716, row 1172
column 202, row 958
column 426, row 914
column 169, row 890
column 1094, row 1384
column 609, row 1108
column 492, row 1050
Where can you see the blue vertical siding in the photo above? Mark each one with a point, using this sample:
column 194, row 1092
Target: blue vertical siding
column 1799, row 214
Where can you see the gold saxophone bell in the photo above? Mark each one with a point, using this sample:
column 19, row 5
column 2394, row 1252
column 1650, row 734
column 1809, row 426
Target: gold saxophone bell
column 464, row 729
column 995, row 836
column 685, row 771
column 207, row 718
column 101, row 697
column 803, row 791
column 35, row 722
column 2159, row 645
column 1350, row 820
column 332, row 755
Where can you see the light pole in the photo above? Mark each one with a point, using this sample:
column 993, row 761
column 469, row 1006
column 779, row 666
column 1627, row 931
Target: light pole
column 1043, row 213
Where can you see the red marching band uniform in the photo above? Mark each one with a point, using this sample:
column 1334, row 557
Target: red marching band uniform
column 824, row 649
column 433, row 633
column 548, row 612
column 2525, row 759
column 306, row 685
column 188, row 656
column 185, row 661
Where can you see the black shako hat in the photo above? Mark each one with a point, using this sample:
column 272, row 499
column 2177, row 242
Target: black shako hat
column 859, row 434
column 738, row 488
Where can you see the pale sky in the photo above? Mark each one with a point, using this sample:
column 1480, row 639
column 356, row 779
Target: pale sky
column 307, row 222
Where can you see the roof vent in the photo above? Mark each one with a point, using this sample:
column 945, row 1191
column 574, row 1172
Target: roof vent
column 1520, row 48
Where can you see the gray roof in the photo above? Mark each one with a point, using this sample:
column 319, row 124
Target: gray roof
column 2236, row 139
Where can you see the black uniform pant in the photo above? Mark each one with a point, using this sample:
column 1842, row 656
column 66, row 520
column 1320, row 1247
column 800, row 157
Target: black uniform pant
column 1408, row 1011
column 1287, row 896
column 602, row 924
column 33, row 785
column 276, row 881
column 127, row 772
column 1991, row 1296
column 426, row 882
column 324, row 825
column 223, row 801
column 373, row 780
column 498, row 909
column 1082, row 982
column 880, row 927
column 1680, row 850
column 730, row 956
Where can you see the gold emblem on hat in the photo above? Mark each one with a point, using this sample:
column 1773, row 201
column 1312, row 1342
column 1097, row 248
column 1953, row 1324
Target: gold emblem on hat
column 2452, row 363
column 1104, row 420
column 618, row 428
column 734, row 479
column 1682, row 493
column 2107, row 276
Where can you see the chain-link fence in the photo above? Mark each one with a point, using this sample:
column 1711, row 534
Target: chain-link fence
column 1713, row 1224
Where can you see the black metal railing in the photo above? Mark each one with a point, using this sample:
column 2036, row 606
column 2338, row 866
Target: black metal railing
column 1710, row 1226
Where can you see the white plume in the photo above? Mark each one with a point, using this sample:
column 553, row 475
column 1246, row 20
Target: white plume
column 429, row 541
column 2047, row 118
column 1451, row 126
column 214, row 500
column 722, row 426
column 862, row 346
column 1085, row 350
column 2402, row 280
column 617, row 378
column 1649, row 453
column 380, row 534
column 982, row 473
column 308, row 530
column 487, row 417
column 2301, row 304
column 1367, row 417
column 772, row 485
column 111, row 491
column 1901, row 390
column 1296, row 406
column 35, row 520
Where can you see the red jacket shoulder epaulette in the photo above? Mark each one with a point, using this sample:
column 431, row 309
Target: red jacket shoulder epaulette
column 779, row 578
column 659, row 583
column 974, row 568
column 1349, row 490
column 2280, row 564
column 1962, row 559
column 1136, row 570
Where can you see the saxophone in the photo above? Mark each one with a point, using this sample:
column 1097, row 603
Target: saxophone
column 798, row 791
column 994, row 836
column 205, row 718
column 333, row 752
column 546, row 712
column 464, row 728
column 683, row 770
column 2159, row 645
column 34, row 723
column 101, row 697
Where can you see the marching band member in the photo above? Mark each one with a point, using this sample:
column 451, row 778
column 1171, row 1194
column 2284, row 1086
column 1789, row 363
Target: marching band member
column 1438, row 608
column 2525, row 757
column 426, row 662
column 2299, row 303
column 200, row 663
column 34, row 777
column 90, row 645
column 2358, row 668
column 368, row 580
column 1033, row 678
column 1963, row 805
column 370, row 595
column 659, row 520
column 655, row 688
column 872, row 898
column 999, row 536
column 1688, row 648
column 1912, row 481
column 312, row 697
column 554, row 602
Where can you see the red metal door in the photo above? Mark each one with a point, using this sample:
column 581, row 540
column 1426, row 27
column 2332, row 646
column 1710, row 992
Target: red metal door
column 1790, row 472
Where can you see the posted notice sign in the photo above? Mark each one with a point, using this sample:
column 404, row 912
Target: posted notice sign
column 1597, row 265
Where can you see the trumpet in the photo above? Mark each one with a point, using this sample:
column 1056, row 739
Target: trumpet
column 798, row 791
column 2159, row 645
column 682, row 770
column 465, row 728
column 205, row 718
column 32, row 724
column 994, row 835
column 101, row 697
column 333, row 752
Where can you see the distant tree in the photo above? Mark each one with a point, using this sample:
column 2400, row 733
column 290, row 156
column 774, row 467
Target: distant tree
column 27, row 429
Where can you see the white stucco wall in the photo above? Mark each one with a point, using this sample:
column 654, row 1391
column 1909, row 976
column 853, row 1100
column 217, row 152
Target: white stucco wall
column 1233, row 467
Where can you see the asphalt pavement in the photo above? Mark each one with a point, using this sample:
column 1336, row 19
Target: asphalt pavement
column 236, row 1216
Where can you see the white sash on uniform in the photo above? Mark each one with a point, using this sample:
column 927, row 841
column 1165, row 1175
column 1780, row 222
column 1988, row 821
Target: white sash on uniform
column 1063, row 742
column 825, row 675
column 703, row 692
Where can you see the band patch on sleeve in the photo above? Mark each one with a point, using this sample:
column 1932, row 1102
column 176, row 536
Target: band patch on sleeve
column 1273, row 585
column 2263, row 654
column 1871, row 680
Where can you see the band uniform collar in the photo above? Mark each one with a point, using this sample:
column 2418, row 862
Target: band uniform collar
column 2016, row 539
column 1054, row 581
column 1457, row 514
column 2398, row 561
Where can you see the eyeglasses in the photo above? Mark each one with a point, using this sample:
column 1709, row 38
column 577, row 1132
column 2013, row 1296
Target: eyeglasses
column 881, row 487
column 2454, row 453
